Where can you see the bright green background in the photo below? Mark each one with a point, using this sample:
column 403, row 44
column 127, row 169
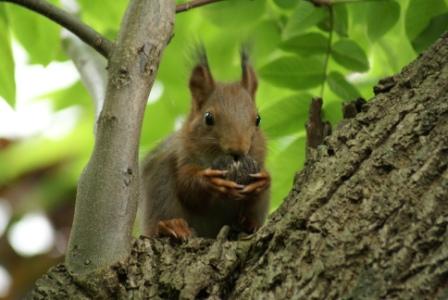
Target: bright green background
column 290, row 45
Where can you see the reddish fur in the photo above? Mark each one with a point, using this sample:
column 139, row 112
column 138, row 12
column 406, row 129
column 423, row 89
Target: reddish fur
column 172, row 175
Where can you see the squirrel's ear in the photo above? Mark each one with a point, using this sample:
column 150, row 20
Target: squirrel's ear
column 201, row 83
column 249, row 80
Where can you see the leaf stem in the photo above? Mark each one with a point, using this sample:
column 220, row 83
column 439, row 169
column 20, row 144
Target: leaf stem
column 329, row 49
column 355, row 1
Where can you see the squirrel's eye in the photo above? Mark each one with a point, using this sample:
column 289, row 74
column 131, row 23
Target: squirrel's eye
column 209, row 119
column 257, row 121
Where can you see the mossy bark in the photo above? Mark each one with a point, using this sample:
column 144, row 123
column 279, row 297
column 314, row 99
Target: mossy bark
column 366, row 218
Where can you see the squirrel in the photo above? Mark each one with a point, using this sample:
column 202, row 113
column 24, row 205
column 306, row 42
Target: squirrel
column 211, row 172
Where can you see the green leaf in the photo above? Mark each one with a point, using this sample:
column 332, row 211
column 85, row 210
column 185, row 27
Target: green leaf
column 294, row 72
column 341, row 19
column 436, row 27
column 381, row 17
column 283, row 164
column 265, row 36
column 234, row 13
column 285, row 116
column 286, row 4
column 349, row 54
column 419, row 13
column 306, row 44
column 305, row 15
column 7, row 69
column 341, row 87
column 104, row 18
column 75, row 94
column 39, row 36
column 333, row 111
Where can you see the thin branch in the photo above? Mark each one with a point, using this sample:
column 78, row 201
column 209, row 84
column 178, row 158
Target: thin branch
column 84, row 32
column 192, row 4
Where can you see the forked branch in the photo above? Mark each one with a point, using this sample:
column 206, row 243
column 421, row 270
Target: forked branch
column 83, row 31
column 73, row 24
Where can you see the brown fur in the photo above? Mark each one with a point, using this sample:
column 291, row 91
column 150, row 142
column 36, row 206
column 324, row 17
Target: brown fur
column 173, row 187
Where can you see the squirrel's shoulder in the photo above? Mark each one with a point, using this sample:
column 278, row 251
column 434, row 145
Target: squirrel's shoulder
column 167, row 149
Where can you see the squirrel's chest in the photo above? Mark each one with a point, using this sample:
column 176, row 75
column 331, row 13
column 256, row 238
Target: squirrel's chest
column 208, row 222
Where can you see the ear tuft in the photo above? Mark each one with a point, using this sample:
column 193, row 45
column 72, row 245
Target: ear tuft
column 201, row 79
column 249, row 78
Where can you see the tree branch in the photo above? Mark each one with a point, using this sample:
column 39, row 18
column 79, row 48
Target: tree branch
column 84, row 32
column 108, row 189
column 193, row 4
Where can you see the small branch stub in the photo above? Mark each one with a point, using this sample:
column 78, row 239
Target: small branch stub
column 316, row 129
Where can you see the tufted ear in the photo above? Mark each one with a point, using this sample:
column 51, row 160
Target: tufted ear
column 249, row 79
column 201, row 81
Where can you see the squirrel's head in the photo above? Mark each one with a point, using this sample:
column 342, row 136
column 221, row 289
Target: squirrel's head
column 223, row 116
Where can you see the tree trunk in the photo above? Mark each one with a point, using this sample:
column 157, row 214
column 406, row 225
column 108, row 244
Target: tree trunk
column 101, row 231
column 366, row 218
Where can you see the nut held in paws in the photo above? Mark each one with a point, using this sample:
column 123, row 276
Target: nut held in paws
column 238, row 170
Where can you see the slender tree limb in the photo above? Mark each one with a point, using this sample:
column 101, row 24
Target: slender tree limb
column 108, row 189
column 73, row 24
column 193, row 4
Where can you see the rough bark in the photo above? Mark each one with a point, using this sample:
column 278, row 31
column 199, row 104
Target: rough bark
column 108, row 189
column 366, row 218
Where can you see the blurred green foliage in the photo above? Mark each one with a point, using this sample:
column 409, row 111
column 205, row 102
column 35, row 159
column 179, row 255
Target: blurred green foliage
column 299, row 51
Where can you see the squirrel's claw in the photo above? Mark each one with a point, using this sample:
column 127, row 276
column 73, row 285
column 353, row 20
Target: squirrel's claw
column 224, row 186
column 261, row 175
column 262, row 182
column 176, row 228
column 213, row 172
column 226, row 183
column 257, row 187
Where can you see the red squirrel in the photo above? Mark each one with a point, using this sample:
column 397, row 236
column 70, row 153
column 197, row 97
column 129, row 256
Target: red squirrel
column 187, row 182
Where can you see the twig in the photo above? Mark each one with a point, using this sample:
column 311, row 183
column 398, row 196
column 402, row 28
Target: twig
column 316, row 128
column 192, row 4
column 84, row 32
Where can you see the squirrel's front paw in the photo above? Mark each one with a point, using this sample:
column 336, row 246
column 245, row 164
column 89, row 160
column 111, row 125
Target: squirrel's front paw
column 262, row 182
column 176, row 228
column 216, row 181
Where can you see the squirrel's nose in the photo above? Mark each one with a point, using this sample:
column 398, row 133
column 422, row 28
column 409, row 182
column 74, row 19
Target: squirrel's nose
column 236, row 154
